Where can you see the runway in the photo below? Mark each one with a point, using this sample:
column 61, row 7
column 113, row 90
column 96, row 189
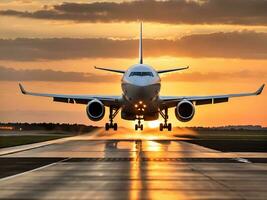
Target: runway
column 128, row 165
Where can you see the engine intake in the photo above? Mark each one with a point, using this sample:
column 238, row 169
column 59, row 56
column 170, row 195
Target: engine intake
column 95, row 110
column 184, row 111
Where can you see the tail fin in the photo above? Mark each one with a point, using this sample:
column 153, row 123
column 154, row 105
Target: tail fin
column 141, row 44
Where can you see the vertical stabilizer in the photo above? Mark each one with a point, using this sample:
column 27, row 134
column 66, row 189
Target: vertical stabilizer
column 141, row 45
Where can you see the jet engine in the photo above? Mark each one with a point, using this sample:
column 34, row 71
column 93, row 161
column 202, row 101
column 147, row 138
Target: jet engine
column 184, row 111
column 95, row 110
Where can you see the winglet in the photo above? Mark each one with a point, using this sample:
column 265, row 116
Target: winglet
column 259, row 91
column 23, row 91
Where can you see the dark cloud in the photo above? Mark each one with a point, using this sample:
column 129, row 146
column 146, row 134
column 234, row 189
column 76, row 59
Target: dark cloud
column 65, row 48
column 248, row 12
column 245, row 45
column 10, row 74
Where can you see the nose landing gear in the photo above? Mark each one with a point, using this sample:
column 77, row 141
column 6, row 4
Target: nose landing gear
column 112, row 115
column 165, row 116
column 139, row 125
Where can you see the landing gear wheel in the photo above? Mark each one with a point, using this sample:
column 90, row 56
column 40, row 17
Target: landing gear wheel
column 107, row 126
column 140, row 126
column 161, row 127
column 115, row 126
column 169, row 127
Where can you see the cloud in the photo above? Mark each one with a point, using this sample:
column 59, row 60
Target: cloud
column 10, row 74
column 244, row 45
column 245, row 12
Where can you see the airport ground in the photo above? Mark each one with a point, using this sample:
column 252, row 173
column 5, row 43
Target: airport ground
column 130, row 165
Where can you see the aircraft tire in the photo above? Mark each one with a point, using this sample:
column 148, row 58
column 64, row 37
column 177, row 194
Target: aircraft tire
column 169, row 127
column 161, row 127
column 115, row 126
column 107, row 126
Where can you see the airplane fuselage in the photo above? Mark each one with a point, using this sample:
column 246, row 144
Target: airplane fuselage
column 140, row 86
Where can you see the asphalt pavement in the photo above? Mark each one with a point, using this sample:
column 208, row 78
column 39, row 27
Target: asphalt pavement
column 129, row 165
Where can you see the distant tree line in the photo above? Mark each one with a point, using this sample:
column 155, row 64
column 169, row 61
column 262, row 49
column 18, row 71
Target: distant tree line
column 49, row 127
column 228, row 128
column 85, row 128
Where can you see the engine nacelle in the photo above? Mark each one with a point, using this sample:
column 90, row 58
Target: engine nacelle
column 95, row 110
column 184, row 111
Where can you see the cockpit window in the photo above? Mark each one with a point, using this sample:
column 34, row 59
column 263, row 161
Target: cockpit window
column 141, row 74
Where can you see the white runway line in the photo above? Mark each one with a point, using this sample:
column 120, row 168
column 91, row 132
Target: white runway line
column 243, row 160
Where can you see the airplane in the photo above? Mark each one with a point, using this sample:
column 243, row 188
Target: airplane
column 140, row 99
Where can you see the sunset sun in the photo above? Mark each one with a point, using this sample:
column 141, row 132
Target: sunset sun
column 153, row 124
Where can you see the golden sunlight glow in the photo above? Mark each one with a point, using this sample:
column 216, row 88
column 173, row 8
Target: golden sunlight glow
column 153, row 124
column 153, row 146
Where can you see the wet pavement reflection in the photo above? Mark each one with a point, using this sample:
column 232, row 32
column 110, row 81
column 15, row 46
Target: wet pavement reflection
column 115, row 166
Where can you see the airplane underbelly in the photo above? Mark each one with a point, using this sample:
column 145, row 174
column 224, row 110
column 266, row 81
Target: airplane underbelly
column 140, row 101
column 132, row 115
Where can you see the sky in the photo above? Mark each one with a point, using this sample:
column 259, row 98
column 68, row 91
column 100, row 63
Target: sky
column 52, row 46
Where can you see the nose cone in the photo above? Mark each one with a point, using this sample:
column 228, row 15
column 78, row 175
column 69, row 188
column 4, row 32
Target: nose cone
column 140, row 83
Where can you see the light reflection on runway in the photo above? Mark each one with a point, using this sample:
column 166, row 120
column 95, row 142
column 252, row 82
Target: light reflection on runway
column 105, row 165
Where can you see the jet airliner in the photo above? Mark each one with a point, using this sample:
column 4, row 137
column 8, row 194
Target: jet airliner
column 140, row 99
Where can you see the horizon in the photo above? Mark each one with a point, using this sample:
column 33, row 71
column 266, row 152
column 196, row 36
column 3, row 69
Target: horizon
column 57, row 123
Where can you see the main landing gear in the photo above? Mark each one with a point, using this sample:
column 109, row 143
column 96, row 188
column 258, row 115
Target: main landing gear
column 165, row 116
column 139, row 125
column 112, row 114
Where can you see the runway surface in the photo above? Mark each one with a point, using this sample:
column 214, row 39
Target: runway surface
column 129, row 165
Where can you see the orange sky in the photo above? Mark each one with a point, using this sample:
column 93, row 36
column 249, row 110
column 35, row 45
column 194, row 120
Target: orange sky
column 222, row 73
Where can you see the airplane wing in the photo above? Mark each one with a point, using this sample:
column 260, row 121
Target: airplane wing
column 171, row 101
column 79, row 99
column 111, row 70
column 171, row 70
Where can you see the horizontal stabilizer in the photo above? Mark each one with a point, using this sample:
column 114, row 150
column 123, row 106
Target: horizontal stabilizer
column 111, row 70
column 171, row 70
